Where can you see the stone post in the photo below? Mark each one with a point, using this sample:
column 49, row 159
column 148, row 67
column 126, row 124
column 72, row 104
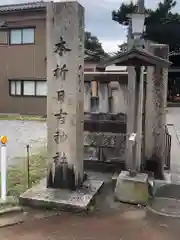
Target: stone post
column 141, row 100
column 65, row 108
column 131, row 100
column 119, row 96
column 87, row 97
column 157, row 80
column 149, row 114
column 103, row 97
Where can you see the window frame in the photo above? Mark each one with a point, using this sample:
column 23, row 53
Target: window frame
column 21, row 29
column 36, row 81
column 10, row 88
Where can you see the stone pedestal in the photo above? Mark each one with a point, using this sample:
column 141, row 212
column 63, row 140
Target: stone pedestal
column 65, row 108
column 63, row 199
column 132, row 189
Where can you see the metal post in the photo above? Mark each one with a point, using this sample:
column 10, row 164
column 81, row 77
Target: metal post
column 28, row 167
column 132, row 141
column 3, row 170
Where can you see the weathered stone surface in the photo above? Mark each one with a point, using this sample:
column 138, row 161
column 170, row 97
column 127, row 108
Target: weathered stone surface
column 65, row 64
column 130, row 114
column 104, row 139
column 132, row 189
column 63, row 199
column 155, row 119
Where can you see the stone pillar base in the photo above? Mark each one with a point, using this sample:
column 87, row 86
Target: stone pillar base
column 39, row 196
column 64, row 178
column 132, row 189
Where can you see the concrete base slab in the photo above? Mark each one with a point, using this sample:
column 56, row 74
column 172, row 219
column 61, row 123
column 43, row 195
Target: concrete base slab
column 160, row 183
column 11, row 219
column 42, row 197
column 132, row 189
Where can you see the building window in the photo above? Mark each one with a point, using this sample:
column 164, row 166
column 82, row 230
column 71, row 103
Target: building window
column 28, row 88
column 3, row 37
column 15, row 88
column 22, row 36
column 41, row 88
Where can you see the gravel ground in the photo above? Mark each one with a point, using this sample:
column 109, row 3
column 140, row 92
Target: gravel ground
column 20, row 133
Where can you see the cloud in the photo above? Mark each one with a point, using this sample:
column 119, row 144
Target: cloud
column 111, row 46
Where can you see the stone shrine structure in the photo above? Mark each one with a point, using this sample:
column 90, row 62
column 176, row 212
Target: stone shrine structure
column 70, row 130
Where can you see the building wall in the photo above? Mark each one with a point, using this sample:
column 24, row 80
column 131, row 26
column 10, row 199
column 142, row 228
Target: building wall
column 27, row 62
column 23, row 62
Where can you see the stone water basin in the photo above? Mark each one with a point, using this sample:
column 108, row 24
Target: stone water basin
column 167, row 201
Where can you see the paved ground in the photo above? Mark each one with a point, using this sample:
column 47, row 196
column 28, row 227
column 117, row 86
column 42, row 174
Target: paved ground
column 110, row 220
column 21, row 133
column 132, row 225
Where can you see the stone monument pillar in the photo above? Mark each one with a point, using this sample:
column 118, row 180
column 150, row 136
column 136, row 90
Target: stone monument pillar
column 65, row 108
column 65, row 186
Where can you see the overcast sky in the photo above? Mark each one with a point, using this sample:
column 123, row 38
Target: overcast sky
column 99, row 21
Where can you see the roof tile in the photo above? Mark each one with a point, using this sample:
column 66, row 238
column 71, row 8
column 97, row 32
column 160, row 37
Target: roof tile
column 22, row 6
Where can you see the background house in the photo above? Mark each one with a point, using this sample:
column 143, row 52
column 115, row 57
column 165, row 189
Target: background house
column 23, row 87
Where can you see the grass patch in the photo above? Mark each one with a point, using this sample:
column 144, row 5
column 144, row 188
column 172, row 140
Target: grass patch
column 22, row 117
column 17, row 177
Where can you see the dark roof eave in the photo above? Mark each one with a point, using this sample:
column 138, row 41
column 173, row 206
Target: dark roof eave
column 135, row 53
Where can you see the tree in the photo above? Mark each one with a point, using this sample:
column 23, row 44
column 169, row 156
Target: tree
column 162, row 25
column 92, row 43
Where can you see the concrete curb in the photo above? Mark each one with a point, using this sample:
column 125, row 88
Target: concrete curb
column 11, row 210
column 12, row 224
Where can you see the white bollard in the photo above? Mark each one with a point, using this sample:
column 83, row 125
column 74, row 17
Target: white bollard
column 3, row 168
